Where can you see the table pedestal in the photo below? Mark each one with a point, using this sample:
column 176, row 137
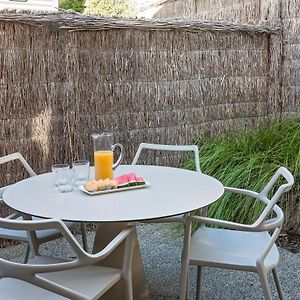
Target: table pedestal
column 104, row 234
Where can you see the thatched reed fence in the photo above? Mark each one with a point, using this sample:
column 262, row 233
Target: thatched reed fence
column 290, row 14
column 285, row 13
column 63, row 77
column 233, row 10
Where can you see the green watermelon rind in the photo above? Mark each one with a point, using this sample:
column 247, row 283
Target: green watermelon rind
column 141, row 183
column 121, row 186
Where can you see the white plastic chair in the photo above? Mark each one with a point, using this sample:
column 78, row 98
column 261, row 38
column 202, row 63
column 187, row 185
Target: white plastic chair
column 51, row 278
column 34, row 239
column 240, row 247
column 168, row 148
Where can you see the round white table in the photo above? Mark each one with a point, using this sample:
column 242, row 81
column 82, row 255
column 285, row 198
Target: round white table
column 172, row 191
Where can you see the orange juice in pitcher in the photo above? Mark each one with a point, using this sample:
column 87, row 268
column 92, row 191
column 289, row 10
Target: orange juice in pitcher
column 103, row 164
column 104, row 156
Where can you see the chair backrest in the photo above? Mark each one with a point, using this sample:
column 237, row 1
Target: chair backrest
column 12, row 157
column 27, row 272
column 173, row 148
column 17, row 156
column 262, row 223
column 271, row 204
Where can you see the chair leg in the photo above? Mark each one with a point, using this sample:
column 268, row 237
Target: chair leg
column 26, row 257
column 84, row 236
column 278, row 284
column 187, row 290
column 129, row 288
column 127, row 265
column 184, row 279
column 198, row 287
column 185, row 263
column 264, row 284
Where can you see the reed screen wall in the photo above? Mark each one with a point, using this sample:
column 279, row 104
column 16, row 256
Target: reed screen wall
column 283, row 12
column 244, row 11
column 63, row 77
column 291, row 59
column 232, row 10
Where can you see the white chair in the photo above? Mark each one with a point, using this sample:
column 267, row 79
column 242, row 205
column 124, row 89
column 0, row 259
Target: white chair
column 33, row 239
column 169, row 148
column 240, row 247
column 51, row 278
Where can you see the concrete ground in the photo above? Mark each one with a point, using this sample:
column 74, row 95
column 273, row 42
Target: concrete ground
column 161, row 246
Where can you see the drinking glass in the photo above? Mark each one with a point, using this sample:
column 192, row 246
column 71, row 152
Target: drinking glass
column 81, row 171
column 53, row 168
column 63, row 177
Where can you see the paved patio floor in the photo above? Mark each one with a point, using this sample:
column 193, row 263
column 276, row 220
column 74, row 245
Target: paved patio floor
column 161, row 248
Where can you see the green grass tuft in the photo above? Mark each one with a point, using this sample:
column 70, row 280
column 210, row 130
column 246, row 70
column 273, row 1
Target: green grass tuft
column 248, row 160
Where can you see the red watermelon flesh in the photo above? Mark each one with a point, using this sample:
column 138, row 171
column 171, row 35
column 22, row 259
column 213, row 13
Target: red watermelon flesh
column 122, row 181
column 129, row 179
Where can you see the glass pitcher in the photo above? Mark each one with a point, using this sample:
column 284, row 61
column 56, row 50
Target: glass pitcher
column 104, row 155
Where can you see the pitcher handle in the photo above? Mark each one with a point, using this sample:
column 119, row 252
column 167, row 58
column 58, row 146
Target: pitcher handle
column 121, row 154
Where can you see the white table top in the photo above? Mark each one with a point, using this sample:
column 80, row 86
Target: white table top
column 172, row 191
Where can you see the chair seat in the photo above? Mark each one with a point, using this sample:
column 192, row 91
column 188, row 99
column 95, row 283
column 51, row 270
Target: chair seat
column 20, row 235
column 14, row 289
column 91, row 281
column 231, row 249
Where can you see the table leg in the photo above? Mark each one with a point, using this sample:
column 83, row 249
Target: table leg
column 104, row 234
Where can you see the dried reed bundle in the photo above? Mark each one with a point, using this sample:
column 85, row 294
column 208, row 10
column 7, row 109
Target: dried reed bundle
column 77, row 21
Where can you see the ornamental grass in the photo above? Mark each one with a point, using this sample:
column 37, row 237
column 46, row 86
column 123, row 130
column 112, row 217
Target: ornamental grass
column 248, row 160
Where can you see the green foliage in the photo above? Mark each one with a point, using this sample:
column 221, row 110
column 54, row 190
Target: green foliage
column 76, row 5
column 248, row 160
column 109, row 8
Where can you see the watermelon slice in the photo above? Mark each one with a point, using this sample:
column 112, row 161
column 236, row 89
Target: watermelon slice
column 131, row 179
column 122, row 181
column 140, row 181
column 128, row 180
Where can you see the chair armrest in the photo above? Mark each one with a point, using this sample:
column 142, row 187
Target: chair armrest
column 223, row 223
column 251, row 194
column 118, row 239
column 84, row 258
column 256, row 226
column 14, row 215
column 88, row 258
column 230, row 224
column 260, row 223
column 242, row 192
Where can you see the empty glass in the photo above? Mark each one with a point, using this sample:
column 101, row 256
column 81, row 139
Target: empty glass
column 63, row 177
column 81, row 171
column 53, row 168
